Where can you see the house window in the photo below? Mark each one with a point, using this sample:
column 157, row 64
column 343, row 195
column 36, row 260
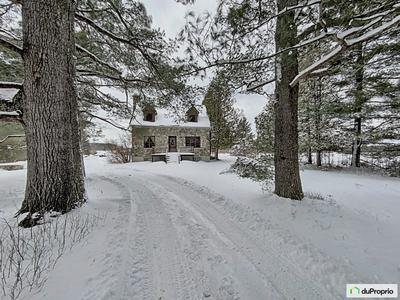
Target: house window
column 192, row 115
column 192, row 141
column 149, row 114
column 149, row 141
column 149, row 117
column 192, row 118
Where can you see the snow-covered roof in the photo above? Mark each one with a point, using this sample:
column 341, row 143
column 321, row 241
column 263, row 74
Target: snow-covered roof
column 9, row 113
column 7, row 94
column 164, row 118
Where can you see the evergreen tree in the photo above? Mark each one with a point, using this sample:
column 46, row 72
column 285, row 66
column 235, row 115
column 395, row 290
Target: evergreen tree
column 370, row 107
column 223, row 116
column 239, row 39
column 317, row 122
column 265, row 128
column 243, row 139
column 94, row 44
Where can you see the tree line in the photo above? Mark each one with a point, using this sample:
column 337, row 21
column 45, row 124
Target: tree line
column 332, row 63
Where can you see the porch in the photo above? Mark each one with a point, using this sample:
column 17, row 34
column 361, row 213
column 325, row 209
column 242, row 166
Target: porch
column 173, row 157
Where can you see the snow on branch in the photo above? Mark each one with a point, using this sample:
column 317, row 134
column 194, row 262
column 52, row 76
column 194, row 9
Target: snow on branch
column 11, row 116
column 317, row 65
column 374, row 32
column 9, row 113
column 370, row 14
column 10, row 85
column 307, row 4
column 10, row 46
column 91, row 73
column 344, row 43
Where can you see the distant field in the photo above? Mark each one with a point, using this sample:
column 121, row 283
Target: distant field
column 13, row 148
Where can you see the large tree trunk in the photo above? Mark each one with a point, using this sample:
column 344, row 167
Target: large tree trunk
column 309, row 156
column 287, row 175
column 359, row 102
column 55, row 170
column 319, row 158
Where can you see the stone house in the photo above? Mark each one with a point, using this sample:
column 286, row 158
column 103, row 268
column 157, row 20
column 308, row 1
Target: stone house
column 157, row 137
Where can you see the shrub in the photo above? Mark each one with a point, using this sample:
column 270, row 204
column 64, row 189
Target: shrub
column 259, row 170
column 120, row 151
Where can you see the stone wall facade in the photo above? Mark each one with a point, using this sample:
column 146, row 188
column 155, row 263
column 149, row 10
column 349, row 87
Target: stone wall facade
column 162, row 134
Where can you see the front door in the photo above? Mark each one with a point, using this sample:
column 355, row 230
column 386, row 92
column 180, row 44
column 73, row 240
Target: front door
column 172, row 144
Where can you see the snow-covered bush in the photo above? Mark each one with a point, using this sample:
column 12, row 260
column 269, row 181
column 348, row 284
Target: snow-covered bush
column 258, row 169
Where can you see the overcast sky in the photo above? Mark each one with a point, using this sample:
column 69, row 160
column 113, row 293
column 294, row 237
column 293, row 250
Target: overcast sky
column 170, row 17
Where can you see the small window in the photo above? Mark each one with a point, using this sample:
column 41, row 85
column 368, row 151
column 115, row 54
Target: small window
column 149, row 141
column 192, row 118
column 149, row 117
column 192, row 141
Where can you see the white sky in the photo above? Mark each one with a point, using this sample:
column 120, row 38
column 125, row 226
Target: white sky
column 170, row 17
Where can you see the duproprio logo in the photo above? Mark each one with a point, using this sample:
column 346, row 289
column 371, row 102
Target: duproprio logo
column 355, row 290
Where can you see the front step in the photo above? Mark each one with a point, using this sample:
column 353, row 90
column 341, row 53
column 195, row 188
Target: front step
column 173, row 157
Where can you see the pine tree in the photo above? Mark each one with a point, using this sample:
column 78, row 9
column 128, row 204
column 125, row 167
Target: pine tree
column 243, row 139
column 239, row 38
column 265, row 128
column 223, row 116
column 94, row 44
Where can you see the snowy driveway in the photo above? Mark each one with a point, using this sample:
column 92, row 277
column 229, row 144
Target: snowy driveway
column 176, row 240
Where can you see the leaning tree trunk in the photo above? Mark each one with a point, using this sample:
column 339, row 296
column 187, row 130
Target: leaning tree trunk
column 55, row 179
column 287, row 175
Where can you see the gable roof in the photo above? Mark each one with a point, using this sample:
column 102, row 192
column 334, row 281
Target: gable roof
column 7, row 94
column 193, row 111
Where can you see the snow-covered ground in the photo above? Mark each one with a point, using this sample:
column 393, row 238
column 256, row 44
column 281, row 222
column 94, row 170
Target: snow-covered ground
column 183, row 231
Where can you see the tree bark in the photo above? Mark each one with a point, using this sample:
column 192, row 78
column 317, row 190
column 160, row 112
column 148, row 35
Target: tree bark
column 309, row 156
column 319, row 158
column 287, row 175
column 317, row 116
column 55, row 179
column 359, row 102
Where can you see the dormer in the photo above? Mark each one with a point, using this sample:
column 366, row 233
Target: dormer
column 149, row 114
column 192, row 115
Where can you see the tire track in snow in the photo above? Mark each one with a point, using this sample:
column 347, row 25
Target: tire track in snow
column 183, row 241
column 171, row 274
column 153, row 247
column 125, row 275
column 293, row 268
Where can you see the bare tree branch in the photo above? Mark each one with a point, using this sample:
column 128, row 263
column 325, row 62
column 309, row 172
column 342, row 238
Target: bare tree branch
column 96, row 59
column 109, row 121
column 116, row 38
column 260, row 85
